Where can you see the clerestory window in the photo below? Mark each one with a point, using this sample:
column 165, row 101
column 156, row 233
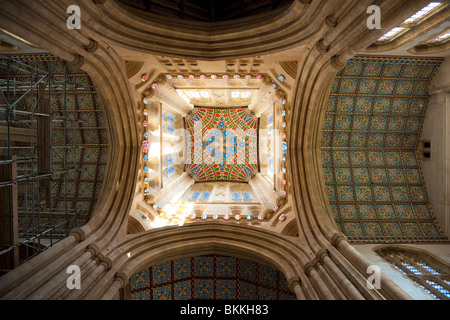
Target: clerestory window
column 428, row 272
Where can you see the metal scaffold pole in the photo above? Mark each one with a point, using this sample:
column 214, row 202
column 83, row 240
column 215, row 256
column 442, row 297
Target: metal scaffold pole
column 30, row 205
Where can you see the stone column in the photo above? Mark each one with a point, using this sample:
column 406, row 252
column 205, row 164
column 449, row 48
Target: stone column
column 264, row 98
column 346, row 285
column 388, row 287
column 212, row 197
column 313, row 275
column 263, row 196
column 228, row 195
column 120, row 280
column 173, row 192
column 333, row 287
column 295, row 285
column 268, row 190
column 168, row 96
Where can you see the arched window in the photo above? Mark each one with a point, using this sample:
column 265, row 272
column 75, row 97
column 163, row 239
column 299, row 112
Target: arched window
column 423, row 14
column 168, row 122
column 428, row 271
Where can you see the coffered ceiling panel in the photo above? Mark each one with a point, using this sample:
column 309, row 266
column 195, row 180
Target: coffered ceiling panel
column 370, row 134
column 222, row 144
column 210, row 278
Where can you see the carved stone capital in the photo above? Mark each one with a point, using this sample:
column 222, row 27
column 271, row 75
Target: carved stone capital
column 267, row 214
column 267, row 80
column 105, row 261
column 321, row 47
column 331, row 21
column 78, row 62
column 336, row 239
column 149, row 93
column 293, row 282
column 280, row 94
column 79, row 234
column 93, row 249
column 122, row 278
column 281, row 201
column 321, row 255
column 161, row 79
column 92, row 47
column 308, row 267
column 336, row 63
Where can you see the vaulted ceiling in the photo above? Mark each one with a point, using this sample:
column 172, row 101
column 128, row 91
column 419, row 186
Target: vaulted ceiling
column 210, row 277
column 78, row 150
column 222, row 144
column 370, row 135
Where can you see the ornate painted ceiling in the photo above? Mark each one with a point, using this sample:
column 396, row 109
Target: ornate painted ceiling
column 221, row 144
column 210, row 278
column 79, row 145
column 370, row 134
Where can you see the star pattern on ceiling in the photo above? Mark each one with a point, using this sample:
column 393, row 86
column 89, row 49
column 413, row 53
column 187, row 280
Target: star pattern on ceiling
column 221, row 144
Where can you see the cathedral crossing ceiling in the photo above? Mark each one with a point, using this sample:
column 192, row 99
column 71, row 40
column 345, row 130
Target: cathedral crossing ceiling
column 221, row 144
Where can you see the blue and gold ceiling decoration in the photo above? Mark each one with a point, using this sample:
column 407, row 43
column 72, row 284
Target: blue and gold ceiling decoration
column 370, row 133
column 210, row 278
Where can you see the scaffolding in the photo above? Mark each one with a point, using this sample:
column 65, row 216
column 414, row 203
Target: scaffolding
column 34, row 211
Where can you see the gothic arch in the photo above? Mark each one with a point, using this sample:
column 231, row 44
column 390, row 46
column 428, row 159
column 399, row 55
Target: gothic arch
column 159, row 246
column 236, row 38
column 319, row 263
column 106, row 71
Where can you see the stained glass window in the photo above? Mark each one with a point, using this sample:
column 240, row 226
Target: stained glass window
column 246, row 196
column 205, row 196
column 236, row 196
column 195, row 195
column 168, row 127
column 428, row 10
column 170, row 118
column 422, row 12
column 430, row 273
column 442, row 37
